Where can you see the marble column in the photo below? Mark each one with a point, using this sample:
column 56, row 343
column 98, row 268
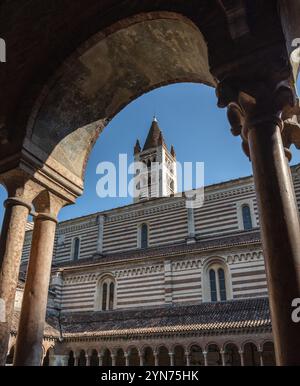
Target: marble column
column 100, row 356
column 261, row 358
column 187, row 358
column 126, row 359
column 113, row 359
column 222, row 352
column 87, row 360
column 155, row 354
column 33, row 312
column 76, row 360
column 241, row 352
column 11, row 246
column 141, row 356
column 255, row 111
column 171, row 355
column 205, row 358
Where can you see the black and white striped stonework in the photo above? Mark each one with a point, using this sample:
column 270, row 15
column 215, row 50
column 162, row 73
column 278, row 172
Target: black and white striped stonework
column 174, row 267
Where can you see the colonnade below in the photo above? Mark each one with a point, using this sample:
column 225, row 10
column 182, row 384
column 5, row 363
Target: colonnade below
column 248, row 353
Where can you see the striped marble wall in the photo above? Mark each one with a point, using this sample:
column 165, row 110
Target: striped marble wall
column 167, row 280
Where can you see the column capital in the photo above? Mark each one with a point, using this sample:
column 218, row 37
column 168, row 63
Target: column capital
column 252, row 103
column 45, row 216
column 11, row 201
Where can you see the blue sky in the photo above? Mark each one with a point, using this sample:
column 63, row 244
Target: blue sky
column 190, row 120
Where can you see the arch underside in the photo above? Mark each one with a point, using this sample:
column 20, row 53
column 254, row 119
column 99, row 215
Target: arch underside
column 105, row 75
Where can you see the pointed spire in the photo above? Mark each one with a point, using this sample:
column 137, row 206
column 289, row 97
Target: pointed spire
column 173, row 154
column 154, row 136
column 137, row 147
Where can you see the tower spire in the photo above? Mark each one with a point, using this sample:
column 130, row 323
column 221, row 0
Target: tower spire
column 154, row 136
column 137, row 147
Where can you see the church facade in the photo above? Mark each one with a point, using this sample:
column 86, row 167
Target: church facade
column 157, row 283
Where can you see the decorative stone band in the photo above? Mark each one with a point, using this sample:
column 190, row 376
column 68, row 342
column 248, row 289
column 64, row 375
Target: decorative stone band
column 12, row 201
column 45, row 216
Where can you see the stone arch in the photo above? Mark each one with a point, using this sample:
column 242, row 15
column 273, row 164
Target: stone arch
column 251, row 354
column 106, row 359
column 215, row 262
column 196, row 355
column 179, row 355
column 120, row 357
column 163, row 356
column 133, row 356
column 213, row 355
column 104, row 75
column 247, row 342
column 232, row 355
column 148, row 354
column 94, row 358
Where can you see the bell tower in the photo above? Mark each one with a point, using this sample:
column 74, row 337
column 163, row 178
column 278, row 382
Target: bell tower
column 159, row 178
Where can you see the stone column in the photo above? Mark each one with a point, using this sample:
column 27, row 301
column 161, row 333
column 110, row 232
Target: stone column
column 87, row 360
column 155, row 354
column 222, row 352
column 261, row 358
column 255, row 114
column 76, row 360
column 113, row 359
column 171, row 355
column 32, row 319
column 241, row 352
column 100, row 356
column 11, row 246
column 141, row 356
column 187, row 358
column 126, row 359
column 205, row 358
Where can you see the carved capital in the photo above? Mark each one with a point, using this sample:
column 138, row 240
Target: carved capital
column 253, row 103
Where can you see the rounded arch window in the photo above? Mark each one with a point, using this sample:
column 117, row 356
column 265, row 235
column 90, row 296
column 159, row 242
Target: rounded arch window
column 144, row 236
column 106, row 298
column 76, row 248
column 247, row 219
column 216, row 283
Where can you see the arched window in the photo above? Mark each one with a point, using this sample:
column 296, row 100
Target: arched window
column 216, row 283
column 247, row 220
column 213, row 285
column 105, row 299
column 76, row 248
column 144, row 236
column 222, row 284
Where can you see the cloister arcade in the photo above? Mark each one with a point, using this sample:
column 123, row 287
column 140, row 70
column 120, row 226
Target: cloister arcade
column 249, row 353
column 75, row 80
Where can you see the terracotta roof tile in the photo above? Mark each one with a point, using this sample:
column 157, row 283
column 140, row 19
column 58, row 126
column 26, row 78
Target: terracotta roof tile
column 204, row 317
